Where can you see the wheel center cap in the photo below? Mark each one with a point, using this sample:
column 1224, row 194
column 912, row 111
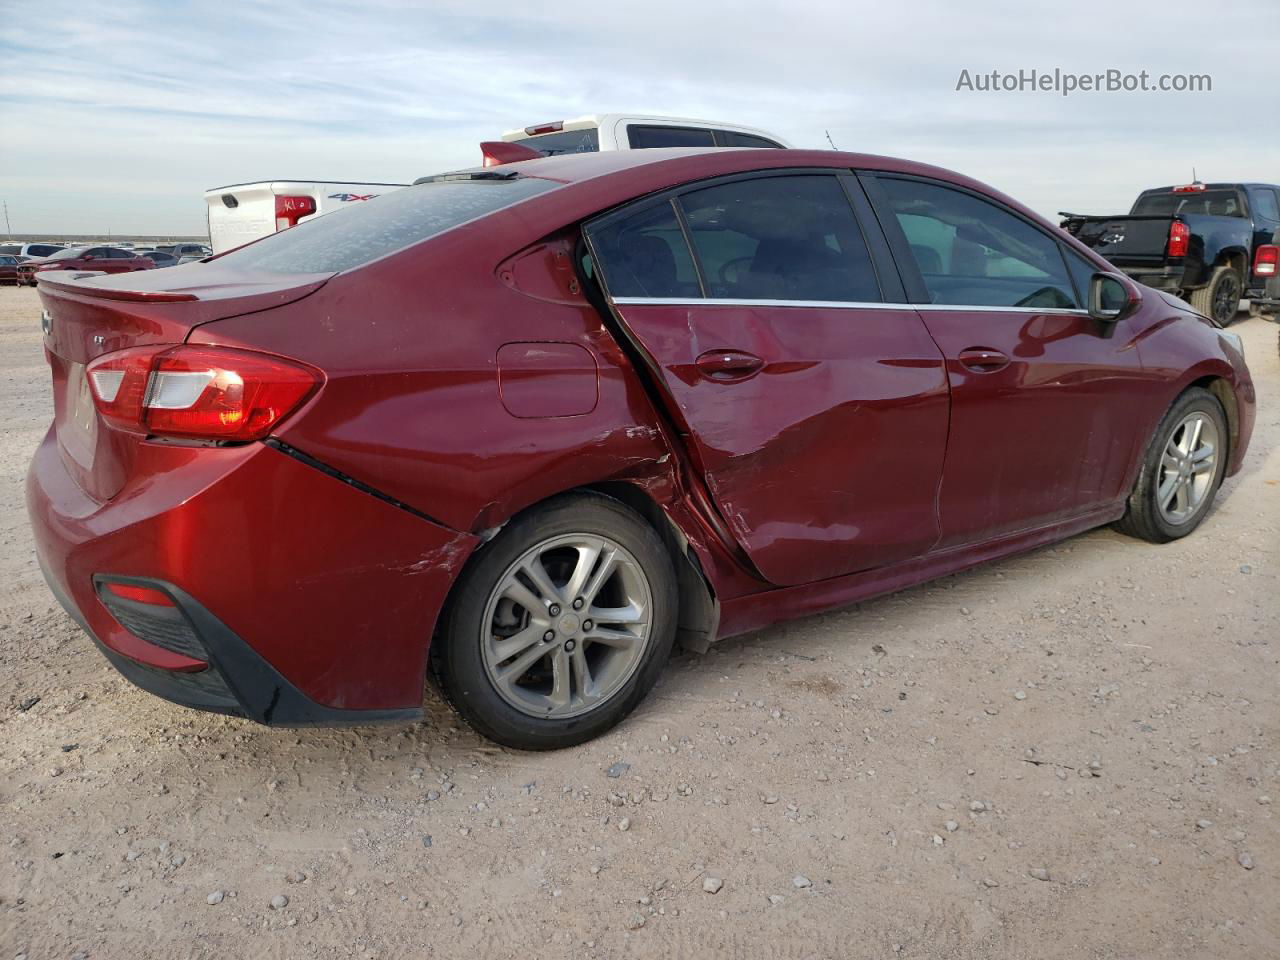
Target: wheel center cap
column 569, row 624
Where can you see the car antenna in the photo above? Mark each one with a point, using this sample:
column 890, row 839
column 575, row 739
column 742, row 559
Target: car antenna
column 830, row 141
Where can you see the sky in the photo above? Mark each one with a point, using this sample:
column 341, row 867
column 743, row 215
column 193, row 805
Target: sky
column 118, row 120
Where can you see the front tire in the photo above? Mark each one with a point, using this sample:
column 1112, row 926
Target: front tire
column 1181, row 472
column 560, row 625
column 1220, row 298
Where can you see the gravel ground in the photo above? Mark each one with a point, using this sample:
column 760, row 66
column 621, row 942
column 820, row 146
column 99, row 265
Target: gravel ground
column 1069, row 754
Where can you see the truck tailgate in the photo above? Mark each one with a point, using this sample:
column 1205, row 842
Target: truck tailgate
column 1125, row 239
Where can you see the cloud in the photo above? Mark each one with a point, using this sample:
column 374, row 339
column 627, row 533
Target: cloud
column 122, row 119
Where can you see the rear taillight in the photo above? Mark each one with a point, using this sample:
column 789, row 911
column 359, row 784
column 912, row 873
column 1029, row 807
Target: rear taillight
column 289, row 210
column 203, row 393
column 1179, row 238
column 1189, row 188
column 1267, row 260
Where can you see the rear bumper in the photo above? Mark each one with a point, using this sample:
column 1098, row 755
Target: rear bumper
column 1169, row 279
column 297, row 599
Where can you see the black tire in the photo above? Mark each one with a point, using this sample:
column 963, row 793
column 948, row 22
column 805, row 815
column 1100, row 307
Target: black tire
column 457, row 660
column 1220, row 297
column 1143, row 517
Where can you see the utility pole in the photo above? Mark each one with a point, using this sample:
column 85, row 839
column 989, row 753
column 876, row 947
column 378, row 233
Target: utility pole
column 7, row 229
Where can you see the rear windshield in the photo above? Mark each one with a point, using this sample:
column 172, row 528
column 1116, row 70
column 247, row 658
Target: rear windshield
column 566, row 141
column 356, row 235
column 10, row 248
column 1220, row 203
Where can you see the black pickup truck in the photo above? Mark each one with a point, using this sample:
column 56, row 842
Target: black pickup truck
column 1213, row 244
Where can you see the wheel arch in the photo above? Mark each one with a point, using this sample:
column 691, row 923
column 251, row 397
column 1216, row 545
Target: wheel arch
column 698, row 617
column 1220, row 387
column 699, row 614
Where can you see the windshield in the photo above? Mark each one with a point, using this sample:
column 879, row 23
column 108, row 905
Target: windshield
column 566, row 141
column 353, row 237
column 1220, row 203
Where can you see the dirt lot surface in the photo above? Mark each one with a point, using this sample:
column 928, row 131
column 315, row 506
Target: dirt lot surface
column 1069, row 754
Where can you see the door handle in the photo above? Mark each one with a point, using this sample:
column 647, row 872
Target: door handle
column 983, row 359
column 726, row 365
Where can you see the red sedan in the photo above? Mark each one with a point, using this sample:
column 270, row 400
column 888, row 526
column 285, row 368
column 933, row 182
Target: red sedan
column 9, row 267
column 528, row 427
column 99, row 259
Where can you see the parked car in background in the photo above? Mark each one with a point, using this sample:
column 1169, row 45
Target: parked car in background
column 32, row 250
column 159, row 257
column 710, row 390
column 615, row 131
column 184, row 249
column 1213, row 244
column 9, row 268
column 192, row 258
column 100, row 259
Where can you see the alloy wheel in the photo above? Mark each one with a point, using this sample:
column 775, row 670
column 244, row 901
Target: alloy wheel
column 566, row 626
column 1226, row 299
column 1187, row 468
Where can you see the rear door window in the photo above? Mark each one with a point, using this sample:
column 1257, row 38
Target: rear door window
column 1265, row 204
column 645, row 255
column 970, row 252
column 42, row 250
column 383, row 225
column 643, row 137
column 780, row 238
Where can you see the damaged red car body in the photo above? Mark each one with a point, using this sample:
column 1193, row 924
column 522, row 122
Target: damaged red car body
column 529, row 426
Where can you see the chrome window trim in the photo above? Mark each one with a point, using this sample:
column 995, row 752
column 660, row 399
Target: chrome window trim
column 837, row 304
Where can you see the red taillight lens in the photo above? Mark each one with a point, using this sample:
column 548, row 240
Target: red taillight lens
column 1189, row 188
column 1179, row 238
column 1267, row 260
column 203, row 393
column 139, row 594
column 119, row 385
column 289, row 210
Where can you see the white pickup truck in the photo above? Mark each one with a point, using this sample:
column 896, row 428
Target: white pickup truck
column 243, row 212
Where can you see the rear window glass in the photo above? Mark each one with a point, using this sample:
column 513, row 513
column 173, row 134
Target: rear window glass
column 566, row 141
column 11, row 248
column 356, row 235
column 1219, row 203
column 642, row 138
column 42, row 249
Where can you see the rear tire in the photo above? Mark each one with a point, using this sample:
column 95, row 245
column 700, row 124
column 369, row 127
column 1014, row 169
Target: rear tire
column 1220, row 298
column 1178, row 480
column 588, row 643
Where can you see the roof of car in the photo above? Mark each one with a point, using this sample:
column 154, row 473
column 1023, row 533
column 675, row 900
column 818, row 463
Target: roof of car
column 615, row 175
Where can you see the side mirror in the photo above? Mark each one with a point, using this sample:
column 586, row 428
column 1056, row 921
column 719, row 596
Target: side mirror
column 1110, row 300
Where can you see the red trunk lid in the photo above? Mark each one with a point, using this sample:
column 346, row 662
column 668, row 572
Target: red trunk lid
column 87, row 316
